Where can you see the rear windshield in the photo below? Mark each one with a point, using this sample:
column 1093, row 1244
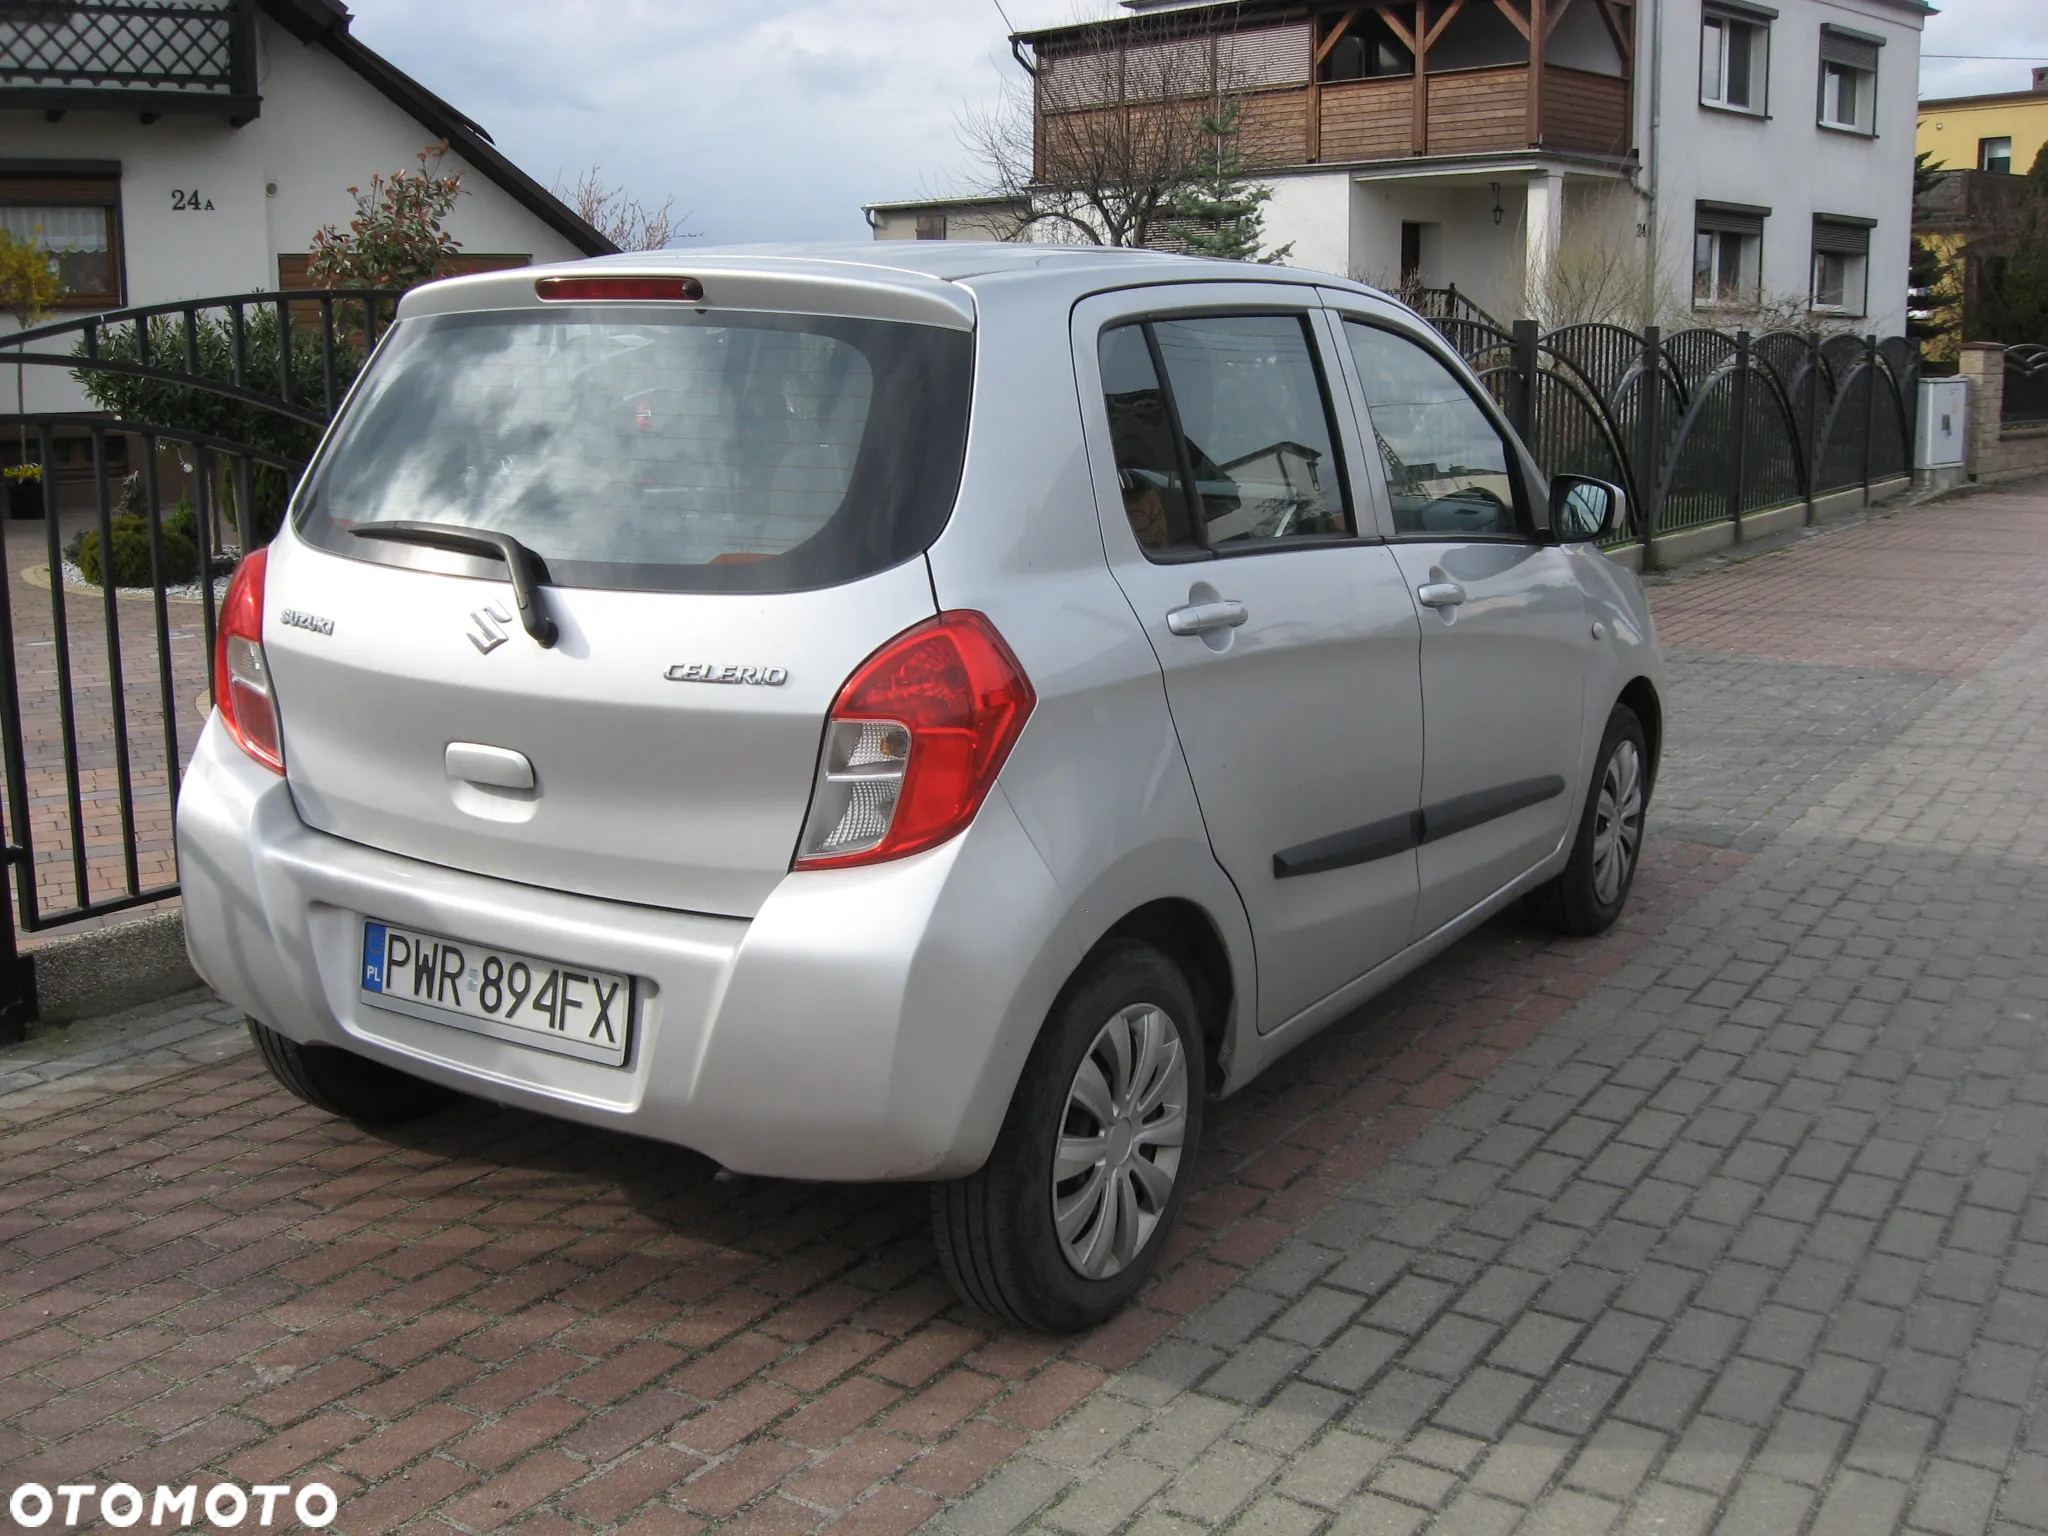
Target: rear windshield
column 670, row 452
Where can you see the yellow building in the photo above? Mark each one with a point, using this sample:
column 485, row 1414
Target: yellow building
column 2000, row 132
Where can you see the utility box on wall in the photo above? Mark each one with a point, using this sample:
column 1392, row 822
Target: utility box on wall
column 1944, row 432
column 1944, row 408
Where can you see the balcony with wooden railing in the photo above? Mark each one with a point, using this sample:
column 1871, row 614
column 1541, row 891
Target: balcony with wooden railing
column 146, row 56
column 1293, row 113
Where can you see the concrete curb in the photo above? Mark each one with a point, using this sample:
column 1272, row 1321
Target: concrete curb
column 1688, row 546
column 87, row 975
column 38, row 576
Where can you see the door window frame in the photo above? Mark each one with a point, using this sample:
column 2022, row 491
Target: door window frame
column 1518, row 476
column 1344, row 445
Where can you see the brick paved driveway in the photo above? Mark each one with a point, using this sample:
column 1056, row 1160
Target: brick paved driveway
column 1733, row 1218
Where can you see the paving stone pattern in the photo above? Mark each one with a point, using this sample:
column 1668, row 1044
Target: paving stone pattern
column 1731, row 1219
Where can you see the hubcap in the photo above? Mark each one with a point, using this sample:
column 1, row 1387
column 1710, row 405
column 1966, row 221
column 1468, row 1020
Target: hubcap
column 1120, row 1142
column 1617, row 822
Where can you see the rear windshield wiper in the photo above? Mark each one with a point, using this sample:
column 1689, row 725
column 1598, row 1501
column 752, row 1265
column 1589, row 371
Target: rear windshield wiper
column 528, row 570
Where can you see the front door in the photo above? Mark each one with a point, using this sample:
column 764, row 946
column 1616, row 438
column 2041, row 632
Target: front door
column 1287, row 641
column 1504, row 629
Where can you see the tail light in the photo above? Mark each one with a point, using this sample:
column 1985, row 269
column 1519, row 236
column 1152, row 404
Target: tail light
column 914, row 743
column 241, row 677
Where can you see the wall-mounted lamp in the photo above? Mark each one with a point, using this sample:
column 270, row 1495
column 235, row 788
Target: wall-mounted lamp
column 1497, row 210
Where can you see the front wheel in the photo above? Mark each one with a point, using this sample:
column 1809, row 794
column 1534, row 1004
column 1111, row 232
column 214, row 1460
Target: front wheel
column 1065, row 1221
column 1589, row 895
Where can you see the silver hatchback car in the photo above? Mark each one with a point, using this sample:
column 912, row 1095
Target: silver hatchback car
column 938, row 712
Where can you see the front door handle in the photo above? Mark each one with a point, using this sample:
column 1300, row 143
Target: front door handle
column 1440, row 594
column 1204, row 618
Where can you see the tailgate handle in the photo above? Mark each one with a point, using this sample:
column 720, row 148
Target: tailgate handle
column 495, row 767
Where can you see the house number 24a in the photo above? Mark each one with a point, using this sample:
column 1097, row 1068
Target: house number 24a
column 190, row 202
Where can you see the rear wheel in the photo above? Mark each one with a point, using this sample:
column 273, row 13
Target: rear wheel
column 1589, row 895
column 345, row 1084
column 1065, row 1221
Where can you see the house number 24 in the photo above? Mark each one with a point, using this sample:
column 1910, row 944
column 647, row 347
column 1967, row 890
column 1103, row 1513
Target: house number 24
column 190, row 202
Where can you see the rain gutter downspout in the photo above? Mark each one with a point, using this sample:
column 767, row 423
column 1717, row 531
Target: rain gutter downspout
column 1656, row 166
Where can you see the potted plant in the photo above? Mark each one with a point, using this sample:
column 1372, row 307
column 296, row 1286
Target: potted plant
column 24, row 489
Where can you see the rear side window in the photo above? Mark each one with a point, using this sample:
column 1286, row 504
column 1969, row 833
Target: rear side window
column 1243, row 416
column 692, row 452
column 1148, row 462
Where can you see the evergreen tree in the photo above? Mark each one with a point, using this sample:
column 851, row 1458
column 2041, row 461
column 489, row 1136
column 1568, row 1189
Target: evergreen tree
column 1221, row 212
column 1930, row 276
column 2015, row 309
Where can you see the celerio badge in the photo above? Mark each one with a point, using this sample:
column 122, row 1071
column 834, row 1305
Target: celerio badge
column 712, row 672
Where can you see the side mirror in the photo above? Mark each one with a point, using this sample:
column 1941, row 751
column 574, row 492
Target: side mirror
column 1583, row 509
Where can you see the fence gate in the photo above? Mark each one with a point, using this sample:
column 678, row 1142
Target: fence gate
column 193, row 423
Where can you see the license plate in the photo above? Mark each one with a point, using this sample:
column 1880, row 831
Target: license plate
column 573, row 1010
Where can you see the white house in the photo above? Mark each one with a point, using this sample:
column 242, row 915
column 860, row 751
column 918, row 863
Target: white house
column 174, row 149
column 1762, row 152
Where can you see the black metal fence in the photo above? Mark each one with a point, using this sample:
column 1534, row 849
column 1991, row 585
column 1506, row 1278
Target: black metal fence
column 204, row 413
column 189, row 428
column 2026, row 387
column 1702, row 427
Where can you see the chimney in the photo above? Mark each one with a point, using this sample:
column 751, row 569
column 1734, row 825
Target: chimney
column 2041, row 78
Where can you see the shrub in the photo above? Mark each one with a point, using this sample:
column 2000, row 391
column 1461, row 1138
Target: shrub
column 131, row 555
column 184, row 521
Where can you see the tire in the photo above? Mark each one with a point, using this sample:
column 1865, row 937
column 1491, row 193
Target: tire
column 1591, row 892
column 348, row 1085
column 996, row 1230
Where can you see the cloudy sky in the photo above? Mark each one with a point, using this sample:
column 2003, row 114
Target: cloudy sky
column 777, row 119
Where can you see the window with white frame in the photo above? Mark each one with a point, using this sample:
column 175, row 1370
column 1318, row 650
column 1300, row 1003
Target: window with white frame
column 1995, row 155
column 1848, row 80
column 1734, row 59
column 1841, row 263
column 1727, row 254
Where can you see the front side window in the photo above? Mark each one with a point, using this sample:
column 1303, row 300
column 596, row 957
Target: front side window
column 1447, row 467
column 1724, row 266
column 1995, row 155
column 655, row 451
column 77, row 226
column 1732, row 63
column 1242, row 416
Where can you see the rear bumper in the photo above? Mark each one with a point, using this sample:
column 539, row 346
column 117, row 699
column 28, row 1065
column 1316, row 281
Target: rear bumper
column 865, row 1024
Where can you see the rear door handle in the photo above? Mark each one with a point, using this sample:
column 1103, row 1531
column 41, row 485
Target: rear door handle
column 1440, row 594
column 1203, row 618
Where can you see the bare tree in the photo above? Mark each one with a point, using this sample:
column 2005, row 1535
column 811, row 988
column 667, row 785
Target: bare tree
column 621, row 218
column 1102, row 143
column 1601, row 272
column 1597, row 272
